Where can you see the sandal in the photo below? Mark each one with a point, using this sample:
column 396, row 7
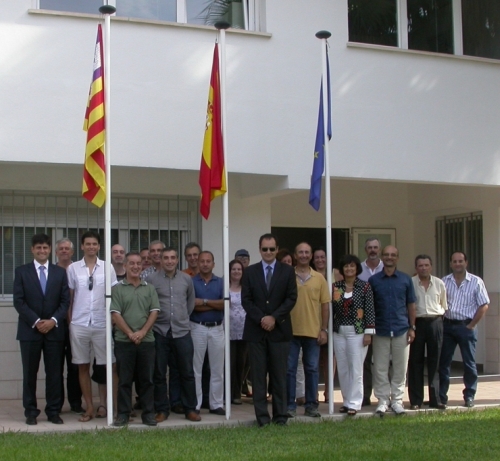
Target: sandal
column 85, row 418
column 351, row 412
column 101, row 415
column 343, row 409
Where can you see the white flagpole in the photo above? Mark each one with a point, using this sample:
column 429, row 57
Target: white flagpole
column 107, row 11
column 323, row 35
column 222, row 26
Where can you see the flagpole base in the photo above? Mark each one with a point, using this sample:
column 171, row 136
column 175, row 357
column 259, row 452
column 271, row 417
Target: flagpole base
column 323, row 34
column 107, row 9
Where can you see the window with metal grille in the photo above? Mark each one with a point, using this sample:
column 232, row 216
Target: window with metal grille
column 134, row 223
column 460, row 233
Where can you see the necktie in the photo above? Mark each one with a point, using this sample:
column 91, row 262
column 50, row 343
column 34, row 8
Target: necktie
column 269, row 274
column 43, row 278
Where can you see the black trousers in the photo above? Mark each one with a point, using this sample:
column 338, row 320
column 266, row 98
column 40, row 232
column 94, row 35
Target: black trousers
column 72, row 380
column 31, row 354
column 429, row 333
column 183, row 350
column 134, row 359
column 367, row 374
column 269, row 357
column 239, row 352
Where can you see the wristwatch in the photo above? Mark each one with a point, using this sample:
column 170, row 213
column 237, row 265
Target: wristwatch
column 414, row 328
column 325, row 330
column 205, row 301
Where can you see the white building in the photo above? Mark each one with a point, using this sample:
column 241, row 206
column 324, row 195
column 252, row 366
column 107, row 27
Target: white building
column 415, row 145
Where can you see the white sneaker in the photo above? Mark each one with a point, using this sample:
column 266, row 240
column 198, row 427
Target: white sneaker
column 397, row 407
column 381, row 409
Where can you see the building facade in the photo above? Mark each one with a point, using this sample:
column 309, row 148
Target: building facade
column 414, row 153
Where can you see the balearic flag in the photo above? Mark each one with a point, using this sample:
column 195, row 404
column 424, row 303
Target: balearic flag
column 212, row 173
column 319, row 147
column 94, row 168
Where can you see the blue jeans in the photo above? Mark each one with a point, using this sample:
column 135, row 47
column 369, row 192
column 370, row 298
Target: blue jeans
column 453, row 334
column 310, row 359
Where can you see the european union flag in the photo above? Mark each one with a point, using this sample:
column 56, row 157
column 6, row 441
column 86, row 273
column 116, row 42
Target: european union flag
column 319, row 147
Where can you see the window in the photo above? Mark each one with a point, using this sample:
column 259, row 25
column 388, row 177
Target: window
column 241, row 14
column 481, row 28
column 430, row 25
column 469, row 27
column 373, row 21
column 460, row 233
column 134, row 223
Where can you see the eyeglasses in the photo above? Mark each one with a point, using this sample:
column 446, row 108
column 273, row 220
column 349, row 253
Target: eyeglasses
column 266, row 249
column 91, row 282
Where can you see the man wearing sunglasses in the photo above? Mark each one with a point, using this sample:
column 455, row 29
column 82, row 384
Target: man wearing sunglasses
column 268, row 294
column 87, row 316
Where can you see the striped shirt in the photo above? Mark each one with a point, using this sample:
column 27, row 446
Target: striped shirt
column 466, row 299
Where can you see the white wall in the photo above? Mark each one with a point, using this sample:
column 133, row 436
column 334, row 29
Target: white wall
column 396, row 115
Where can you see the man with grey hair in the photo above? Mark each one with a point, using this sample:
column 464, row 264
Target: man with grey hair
column 155, row 251
column 64, row 252
column 371, row 265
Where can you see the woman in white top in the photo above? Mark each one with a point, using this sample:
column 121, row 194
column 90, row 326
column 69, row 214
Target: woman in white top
column 238, row 347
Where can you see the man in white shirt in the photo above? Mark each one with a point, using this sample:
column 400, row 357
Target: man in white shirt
column 467, row 303
column 87, row 314
column 372, row 265
column 431, row 305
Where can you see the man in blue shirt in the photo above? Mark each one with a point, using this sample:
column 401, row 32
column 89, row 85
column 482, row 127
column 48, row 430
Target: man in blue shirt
column 207, row 331
column 395, row 315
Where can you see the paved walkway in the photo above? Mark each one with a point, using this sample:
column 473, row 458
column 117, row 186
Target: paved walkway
column 12, row 415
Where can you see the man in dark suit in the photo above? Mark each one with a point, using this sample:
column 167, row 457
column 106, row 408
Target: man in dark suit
column 41, row 297
column 268, row 293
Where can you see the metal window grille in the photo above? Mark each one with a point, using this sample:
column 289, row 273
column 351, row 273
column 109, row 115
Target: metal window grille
column 460, row 233
column 134, row 223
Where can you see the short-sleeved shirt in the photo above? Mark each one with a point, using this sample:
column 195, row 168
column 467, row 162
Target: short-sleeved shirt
column 176, row 295
column 89, row 306
column 391, row 296
column 430, row 302
column 213, row 289
column 311, row 294
column 465, row 300
column 134, row 304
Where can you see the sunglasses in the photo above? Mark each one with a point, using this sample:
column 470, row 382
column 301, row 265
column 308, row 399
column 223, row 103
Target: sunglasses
column 266, row 249
column 91, row 282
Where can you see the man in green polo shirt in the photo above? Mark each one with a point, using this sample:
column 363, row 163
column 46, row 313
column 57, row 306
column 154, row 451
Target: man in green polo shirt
column 134, row 308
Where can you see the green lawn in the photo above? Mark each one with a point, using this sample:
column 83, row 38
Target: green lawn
column 458, row 436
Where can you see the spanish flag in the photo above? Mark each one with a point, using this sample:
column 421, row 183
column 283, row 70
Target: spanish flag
column 212, row 173
column 94, row 169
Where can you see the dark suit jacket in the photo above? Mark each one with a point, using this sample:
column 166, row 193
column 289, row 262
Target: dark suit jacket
column 259, row 302
column 32, row 304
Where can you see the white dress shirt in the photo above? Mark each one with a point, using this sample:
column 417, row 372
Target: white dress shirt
column 89, row 306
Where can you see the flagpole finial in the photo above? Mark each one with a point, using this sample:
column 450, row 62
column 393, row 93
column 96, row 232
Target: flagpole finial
column 323, row 34
column 222, row 25
column 107, row 9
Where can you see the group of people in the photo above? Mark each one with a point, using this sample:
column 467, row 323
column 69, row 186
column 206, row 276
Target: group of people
column 168, row 331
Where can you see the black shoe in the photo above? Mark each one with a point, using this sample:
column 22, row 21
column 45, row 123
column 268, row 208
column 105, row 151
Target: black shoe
column 178, row 409
column 149, row 421
column 469, row 403
column 366, row 402
column 218, row 411
column 121, row 420
column 439, row 406
column 31, row 420
column 280, row 422
column 77, row 410
column 55, row 419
